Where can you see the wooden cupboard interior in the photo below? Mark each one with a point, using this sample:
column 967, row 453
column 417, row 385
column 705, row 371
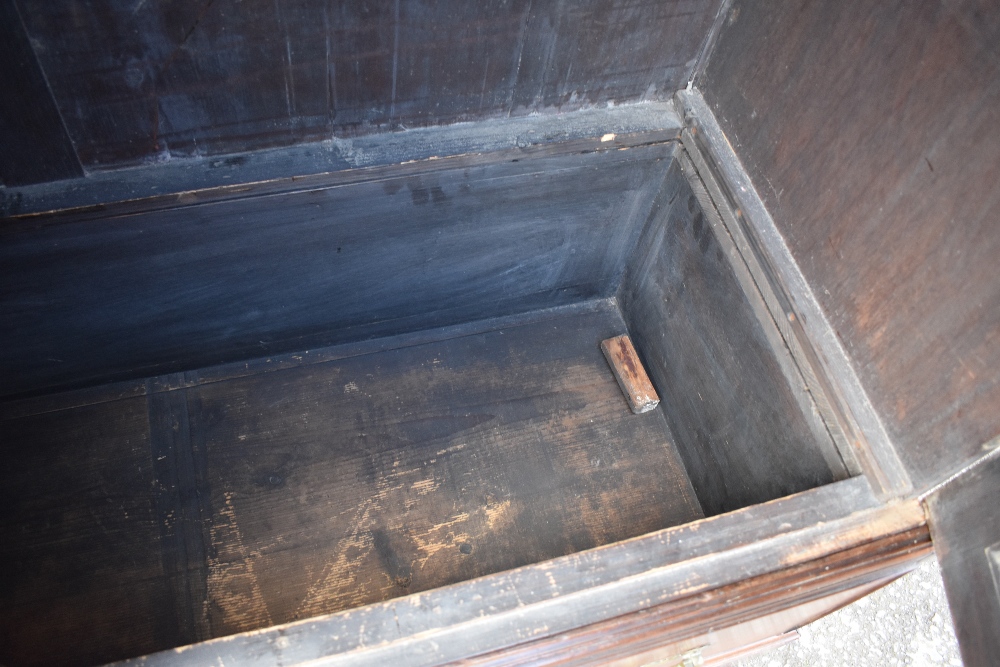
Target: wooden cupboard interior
column 463, row 421
column 301, row 351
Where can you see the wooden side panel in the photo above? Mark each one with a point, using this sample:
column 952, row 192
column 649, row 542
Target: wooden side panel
column 737, row 424
column 34, row 146
column 127, row 295
column 966, row 531
column 150, row 81
column 352, row 482
column 82, row 577
column 870, row 129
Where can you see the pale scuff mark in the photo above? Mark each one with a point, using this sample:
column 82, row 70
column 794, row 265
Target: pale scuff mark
column 451, row 450
column 440, row 537
column 497, row 514
column 424, row 486
column 232, row 583
column 337, row 586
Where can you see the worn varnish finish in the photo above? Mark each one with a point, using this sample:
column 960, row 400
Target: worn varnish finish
column 208, row 490
column 144, row 81
column 237, row 504
column 94, row 296
column 730, row 408
column 870, row 129
column 631, row 376
column 352, row 482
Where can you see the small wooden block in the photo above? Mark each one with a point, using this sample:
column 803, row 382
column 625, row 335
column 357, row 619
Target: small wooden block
column 630, row 374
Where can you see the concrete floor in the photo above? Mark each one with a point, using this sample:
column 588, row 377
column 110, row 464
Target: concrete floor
column 905, row 623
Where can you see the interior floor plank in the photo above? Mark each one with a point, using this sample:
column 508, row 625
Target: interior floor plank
column 273, row 495
column 341, row 484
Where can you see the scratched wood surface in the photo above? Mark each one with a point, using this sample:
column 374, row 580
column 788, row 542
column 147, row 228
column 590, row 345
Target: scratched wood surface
column 348, row 483
column 700, row 570
column 870, row 130
column 141, row 81
column 257, row 500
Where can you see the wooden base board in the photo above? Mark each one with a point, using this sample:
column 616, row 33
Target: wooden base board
column 264, row 498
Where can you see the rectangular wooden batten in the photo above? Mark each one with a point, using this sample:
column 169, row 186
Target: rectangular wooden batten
column 631, row 376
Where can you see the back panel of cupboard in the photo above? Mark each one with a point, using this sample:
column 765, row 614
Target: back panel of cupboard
column 140, row 81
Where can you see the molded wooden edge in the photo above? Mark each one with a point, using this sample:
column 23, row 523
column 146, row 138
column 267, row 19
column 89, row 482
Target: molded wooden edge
column 869, row 565
column 508, row 609
column 290, row 163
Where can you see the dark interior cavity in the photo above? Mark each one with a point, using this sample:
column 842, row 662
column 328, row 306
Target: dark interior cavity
column 256, row 409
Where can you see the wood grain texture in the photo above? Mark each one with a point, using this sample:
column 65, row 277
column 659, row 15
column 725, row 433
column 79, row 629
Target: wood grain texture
column 966, row 531
column 99, row 298
column 870, row 129
column 247, row 500
column 356, row 481
column 83, row 579
column 741, row 431
column 151, row 81
column 876, row 562
column 34, row 146
column 548, row 599
column 631, row 376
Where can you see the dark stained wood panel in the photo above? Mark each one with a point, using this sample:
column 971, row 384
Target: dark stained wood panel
column 82, row 577
column 742, row 434
column 871, row 565
column 99, row 297
column 141, row 81
column 871, row 131
column 352, row 482
column 965, row 527
column 34, row 146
